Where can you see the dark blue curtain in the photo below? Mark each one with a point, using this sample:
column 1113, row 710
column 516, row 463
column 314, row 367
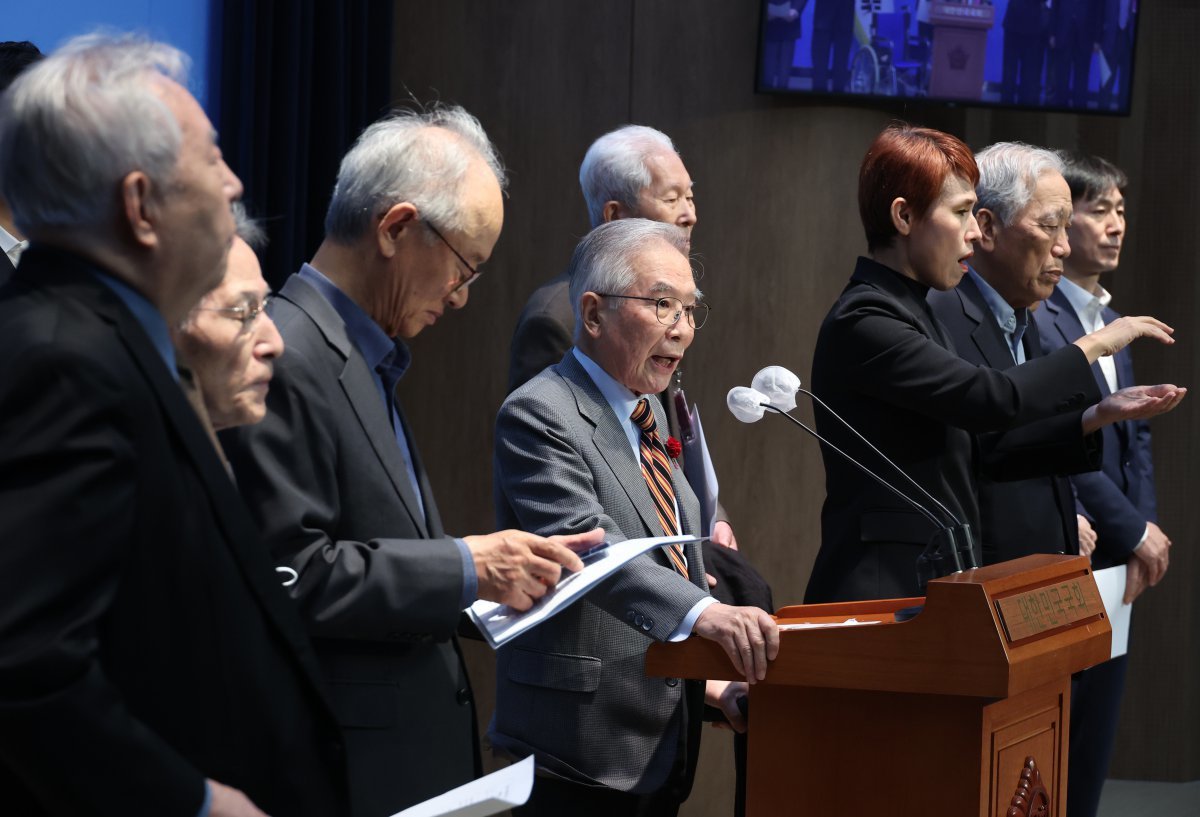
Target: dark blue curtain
column 292, row 84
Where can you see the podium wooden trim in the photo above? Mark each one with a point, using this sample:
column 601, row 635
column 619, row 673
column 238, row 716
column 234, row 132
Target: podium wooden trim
column 938, row 713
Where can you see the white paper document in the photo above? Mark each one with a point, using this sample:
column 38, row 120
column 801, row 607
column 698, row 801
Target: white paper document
column 488, row 795
column 824, row 625
column 499, row 623
column 1111, row 584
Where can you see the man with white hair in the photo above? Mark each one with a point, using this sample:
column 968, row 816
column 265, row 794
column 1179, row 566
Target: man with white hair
column 333, row 472
column 149, row 661
column 579, row 447
column 1023, row 211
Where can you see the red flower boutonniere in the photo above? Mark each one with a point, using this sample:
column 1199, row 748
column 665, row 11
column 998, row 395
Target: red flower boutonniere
column 674, row 448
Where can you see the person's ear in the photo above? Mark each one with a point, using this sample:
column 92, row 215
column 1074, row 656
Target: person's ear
column 989, row 228
column 393, row 225
column 902, row 215
column 614, row 210
column 589, row 314
column 138, row 209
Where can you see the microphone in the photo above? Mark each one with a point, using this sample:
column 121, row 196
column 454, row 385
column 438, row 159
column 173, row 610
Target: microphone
column 775, row 388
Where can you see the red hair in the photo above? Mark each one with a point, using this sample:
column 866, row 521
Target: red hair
column 910, row 163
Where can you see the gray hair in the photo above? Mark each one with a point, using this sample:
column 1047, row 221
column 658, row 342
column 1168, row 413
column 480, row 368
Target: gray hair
column 249, row 229
column 1008, row 174
column 603, row 259
column 407, row 157
column 76, row 123
column 614, row 167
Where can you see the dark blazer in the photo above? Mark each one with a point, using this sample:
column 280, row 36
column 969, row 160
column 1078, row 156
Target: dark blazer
column 1017, row 517
column 145, row 642
column 380, row 583
column 1119, row 498
column 885, row 363
column 573, row 692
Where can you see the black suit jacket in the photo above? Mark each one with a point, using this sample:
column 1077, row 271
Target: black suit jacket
column 380, row 582
column 145, row 643
column 1035, row 514
column 885, row 363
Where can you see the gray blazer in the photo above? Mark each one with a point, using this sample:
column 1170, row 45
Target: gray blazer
column 380, row 583
column 573, row 692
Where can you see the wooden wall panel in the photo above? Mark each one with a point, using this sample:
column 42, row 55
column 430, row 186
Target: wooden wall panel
column 777, row 236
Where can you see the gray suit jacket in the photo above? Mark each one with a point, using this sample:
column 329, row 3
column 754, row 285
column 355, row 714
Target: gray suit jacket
column 380, row 583
column 573, row 692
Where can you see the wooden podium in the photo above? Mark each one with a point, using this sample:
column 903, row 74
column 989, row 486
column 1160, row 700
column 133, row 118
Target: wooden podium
column 960, row 32
column 934, row 715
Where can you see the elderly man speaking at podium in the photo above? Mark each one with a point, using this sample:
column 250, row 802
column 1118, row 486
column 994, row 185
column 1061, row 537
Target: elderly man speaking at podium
column 579, row 447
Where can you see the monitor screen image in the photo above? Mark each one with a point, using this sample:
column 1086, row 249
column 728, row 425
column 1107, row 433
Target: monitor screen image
column 1069, row 55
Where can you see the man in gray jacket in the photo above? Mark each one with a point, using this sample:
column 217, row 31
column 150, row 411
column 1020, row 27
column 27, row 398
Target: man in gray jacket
column 580, row 447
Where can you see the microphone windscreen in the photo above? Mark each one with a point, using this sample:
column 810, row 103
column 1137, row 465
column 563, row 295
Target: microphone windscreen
column 746, row 404
column 779, row 385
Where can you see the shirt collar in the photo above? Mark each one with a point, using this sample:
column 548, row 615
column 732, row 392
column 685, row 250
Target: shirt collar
column 1010, row 320
column 148, row 316
column 1086, row 304
column 622, row 400
column 390, row 356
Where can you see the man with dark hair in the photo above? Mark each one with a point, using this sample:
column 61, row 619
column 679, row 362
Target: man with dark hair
column 15, row 57
column 1118, row 500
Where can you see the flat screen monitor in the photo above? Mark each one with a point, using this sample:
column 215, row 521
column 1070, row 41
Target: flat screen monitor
column 1068, row 55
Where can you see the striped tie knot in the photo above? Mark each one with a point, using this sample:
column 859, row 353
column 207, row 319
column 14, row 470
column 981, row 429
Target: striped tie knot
column 643, row 417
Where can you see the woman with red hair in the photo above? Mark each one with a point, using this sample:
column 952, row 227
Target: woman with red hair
column 885, row 364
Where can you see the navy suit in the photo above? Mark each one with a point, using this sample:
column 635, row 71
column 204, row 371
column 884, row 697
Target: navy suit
column 1119, row 501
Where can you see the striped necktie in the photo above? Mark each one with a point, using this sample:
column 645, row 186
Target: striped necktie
column 656, row 469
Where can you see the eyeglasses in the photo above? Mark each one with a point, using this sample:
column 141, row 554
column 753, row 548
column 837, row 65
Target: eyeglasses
column 669, row 310
column 244, row 315
column 463, row 282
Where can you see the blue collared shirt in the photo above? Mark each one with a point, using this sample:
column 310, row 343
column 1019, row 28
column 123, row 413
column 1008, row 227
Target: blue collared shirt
column 389, row 359
column 622, row 401
column 148, row 316
column 1013, row 322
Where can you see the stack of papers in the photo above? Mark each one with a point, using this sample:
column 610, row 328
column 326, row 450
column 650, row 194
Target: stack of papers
column 500, row 623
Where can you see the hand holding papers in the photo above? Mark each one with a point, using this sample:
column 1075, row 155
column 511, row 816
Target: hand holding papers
column 500, row 623
column 488, row 795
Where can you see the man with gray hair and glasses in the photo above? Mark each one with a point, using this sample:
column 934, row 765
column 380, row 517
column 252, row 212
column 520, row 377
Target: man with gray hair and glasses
column 149, row 661
column 333, row 472
column 580, row 447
